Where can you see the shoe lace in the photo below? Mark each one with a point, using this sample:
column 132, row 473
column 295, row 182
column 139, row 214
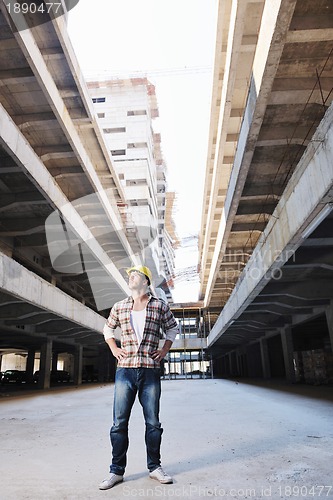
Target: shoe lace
column 162, row 471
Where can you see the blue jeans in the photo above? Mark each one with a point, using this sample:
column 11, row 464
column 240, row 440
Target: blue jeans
column 147, row 383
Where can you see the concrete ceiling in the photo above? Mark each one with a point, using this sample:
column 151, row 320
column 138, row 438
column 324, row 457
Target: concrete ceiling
column 291, row 100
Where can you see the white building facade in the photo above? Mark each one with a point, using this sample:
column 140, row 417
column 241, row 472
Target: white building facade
column 125, row 110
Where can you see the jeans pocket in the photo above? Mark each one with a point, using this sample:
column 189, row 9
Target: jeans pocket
column 157, row 371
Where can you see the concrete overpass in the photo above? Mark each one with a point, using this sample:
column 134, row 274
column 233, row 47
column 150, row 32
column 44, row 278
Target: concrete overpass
column 267, row 227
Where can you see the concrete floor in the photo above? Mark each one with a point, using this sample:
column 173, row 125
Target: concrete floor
column 222, row 439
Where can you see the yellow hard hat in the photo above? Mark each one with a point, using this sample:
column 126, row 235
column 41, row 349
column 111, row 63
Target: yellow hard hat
column 142, row 269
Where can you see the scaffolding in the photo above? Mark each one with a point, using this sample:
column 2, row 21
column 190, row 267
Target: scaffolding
column 189, row 358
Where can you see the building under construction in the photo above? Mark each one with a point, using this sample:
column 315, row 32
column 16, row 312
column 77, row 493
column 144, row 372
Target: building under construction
column 85, row 168
column 69, row 223
column 265, row 245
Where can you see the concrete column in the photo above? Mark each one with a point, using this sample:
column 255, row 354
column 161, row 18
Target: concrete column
column 217, row 367
column 211, row 365
column 238, row 363
column 103, row 365
column 78, row 358
column 329, row 318
column 226, row 369
column 230, row 364
column 54, row 361
column 266, row 368
column 30, row 365
column 233, row 364
column 45, row 364
column 288, row 349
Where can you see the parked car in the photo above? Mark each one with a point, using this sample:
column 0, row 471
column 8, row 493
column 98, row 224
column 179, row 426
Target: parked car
column 13, row 376
column 89, row 375
column 60, row 376
column 55, row 376
column 196, row 372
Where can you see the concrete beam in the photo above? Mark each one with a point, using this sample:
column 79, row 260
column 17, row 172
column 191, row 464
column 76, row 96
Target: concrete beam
column 235, row 26
column 318, row 242
column 302, row 83
column 57, row 155
column 13, row 75
column 189, row 344
column 290, row 98
column 25, row 285
column 16, row 309
column 33, row 240
column 277, row 310
column 37, row 319
column 309, row 255
column 275, row 23
column 310, row 35
column 33, row 118
column 16, row 145
column 288, row 301
column 306, row 291
column 9, row 201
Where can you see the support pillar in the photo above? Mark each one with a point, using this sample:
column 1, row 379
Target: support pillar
column 45, row 365
column 228, row 364
column 30, row 365
column 54, row 361
column 329, row 318
column 233, row 364
column 288, row 349
column 266, row 367
column 102, row 365
column 211, row 364
column 78, row 362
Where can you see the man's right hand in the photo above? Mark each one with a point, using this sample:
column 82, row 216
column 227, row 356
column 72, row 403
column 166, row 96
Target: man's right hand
column 119, row 353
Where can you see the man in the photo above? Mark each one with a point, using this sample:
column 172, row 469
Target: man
column 140, row 317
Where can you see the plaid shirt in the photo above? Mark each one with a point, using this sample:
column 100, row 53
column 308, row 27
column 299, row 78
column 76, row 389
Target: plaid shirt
column 158, row 316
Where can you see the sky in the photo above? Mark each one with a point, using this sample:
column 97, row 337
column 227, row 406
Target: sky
column 172, row 42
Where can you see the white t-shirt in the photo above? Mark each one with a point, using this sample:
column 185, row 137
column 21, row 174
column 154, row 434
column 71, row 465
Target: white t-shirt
column 138, row 319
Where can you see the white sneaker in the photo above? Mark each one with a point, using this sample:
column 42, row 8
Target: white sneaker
column 161, row 476
column 106, row 484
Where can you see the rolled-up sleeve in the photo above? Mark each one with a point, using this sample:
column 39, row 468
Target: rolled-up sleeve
column 111, row 324
column 169, row 324
column 172, row 333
